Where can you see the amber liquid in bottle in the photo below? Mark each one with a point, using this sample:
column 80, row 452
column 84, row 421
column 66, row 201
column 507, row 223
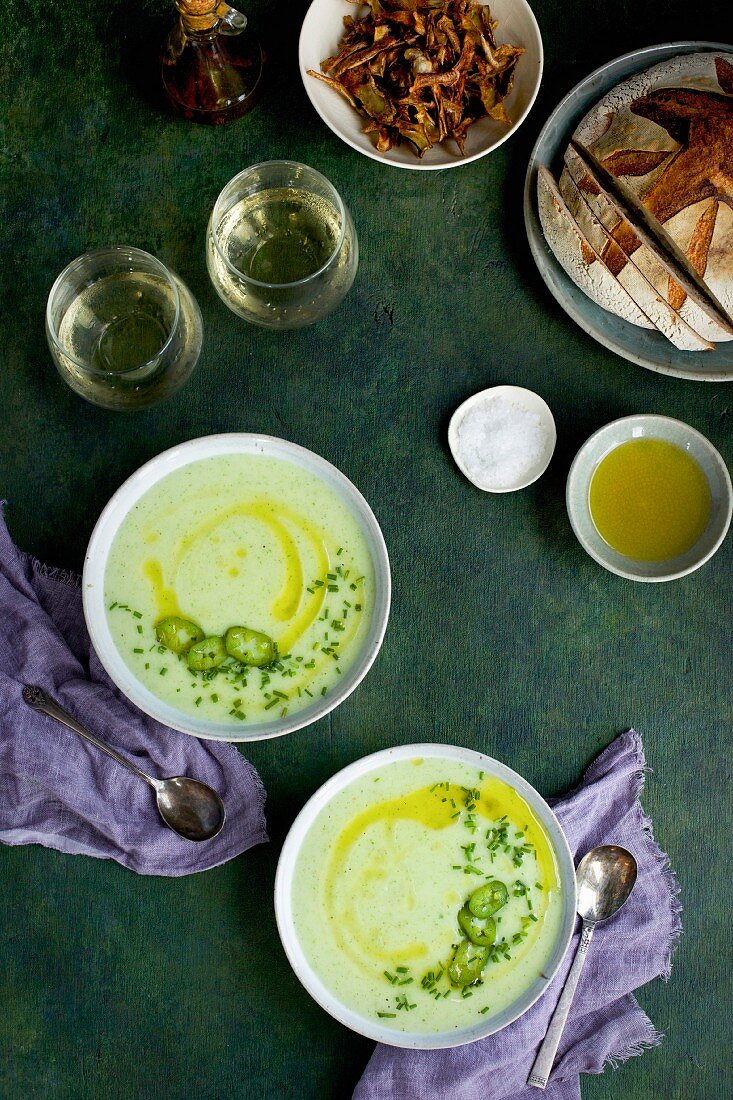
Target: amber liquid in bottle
column 211, row 63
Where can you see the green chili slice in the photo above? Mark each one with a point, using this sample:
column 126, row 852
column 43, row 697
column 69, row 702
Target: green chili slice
column 178, row 634
column 488, row 899
column 467, row 963
column 480, row 931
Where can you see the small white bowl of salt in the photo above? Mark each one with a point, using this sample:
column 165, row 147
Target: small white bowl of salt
column 503, row 438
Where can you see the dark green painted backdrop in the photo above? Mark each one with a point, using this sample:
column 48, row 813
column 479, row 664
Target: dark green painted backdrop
column 504, row 635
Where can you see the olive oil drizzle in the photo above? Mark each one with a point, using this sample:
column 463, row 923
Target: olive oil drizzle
column 290, row 597
column 437, row 808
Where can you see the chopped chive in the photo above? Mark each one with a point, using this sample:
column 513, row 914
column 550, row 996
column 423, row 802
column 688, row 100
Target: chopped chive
column 163, row 670
column 197, row 702
column 214, row 698
column 138, row 651
column 386, row 1015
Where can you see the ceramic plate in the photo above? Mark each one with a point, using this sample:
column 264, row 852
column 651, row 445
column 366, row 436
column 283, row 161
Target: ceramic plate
column 646, row 347
column 320, row 36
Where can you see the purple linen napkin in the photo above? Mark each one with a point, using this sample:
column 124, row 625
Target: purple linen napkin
column 605, row 1024
column 59, row 791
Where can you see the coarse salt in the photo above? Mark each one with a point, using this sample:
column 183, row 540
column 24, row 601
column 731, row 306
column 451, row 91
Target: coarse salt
column 501, row 443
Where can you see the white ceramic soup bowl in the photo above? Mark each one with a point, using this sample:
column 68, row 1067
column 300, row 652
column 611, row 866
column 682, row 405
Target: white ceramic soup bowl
column 95, row 611
column 322, row 30
column 284, row 904
column 648, row 426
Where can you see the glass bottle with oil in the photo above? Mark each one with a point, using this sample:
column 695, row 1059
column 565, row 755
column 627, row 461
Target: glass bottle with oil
column 211, row 63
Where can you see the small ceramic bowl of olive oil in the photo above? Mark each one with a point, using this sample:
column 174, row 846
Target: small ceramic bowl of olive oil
column 649, row 498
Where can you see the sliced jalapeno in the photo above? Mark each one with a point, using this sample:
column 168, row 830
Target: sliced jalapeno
column 178, row 634
column 467, row 963
column 251, row 647
column 479, row 931
column 488, row 899
column 208, row 653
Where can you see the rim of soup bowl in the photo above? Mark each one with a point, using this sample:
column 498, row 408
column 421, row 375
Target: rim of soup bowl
column 308, row 977
column 134, row 488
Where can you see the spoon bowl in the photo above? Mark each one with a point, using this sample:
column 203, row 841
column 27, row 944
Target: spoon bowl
column 606, row 877
column 191, row 808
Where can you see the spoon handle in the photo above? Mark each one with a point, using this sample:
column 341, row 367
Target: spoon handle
column 540, row 1071
column 37, row 699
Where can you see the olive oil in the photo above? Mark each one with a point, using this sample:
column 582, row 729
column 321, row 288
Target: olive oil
column 649, row 500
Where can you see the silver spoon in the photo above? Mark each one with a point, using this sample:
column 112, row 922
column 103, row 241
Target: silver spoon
column 606, row 877
column 188, row 807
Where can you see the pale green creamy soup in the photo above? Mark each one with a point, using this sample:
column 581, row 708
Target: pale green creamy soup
column 241, row 540
column 385, row 871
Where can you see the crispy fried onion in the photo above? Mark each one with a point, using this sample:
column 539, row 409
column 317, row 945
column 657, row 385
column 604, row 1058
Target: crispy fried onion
column 422, row 70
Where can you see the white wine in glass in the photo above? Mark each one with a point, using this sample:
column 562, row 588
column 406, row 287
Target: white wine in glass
column 281, row 248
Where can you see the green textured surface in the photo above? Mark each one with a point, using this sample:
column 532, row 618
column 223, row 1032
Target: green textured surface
column 504, row 636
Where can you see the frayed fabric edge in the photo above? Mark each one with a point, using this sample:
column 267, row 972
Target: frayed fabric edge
column 662, row 861
column 672, row 886
column 633, row 1050
column 52, row 573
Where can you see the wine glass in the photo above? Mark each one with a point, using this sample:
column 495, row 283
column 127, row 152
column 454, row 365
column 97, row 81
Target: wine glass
column 123, row 330
column 281, row 248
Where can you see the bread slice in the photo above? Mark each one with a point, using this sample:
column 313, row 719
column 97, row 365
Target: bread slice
column 657, row 240
column 577, row 256
column 597, row 218
column 665, row 138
